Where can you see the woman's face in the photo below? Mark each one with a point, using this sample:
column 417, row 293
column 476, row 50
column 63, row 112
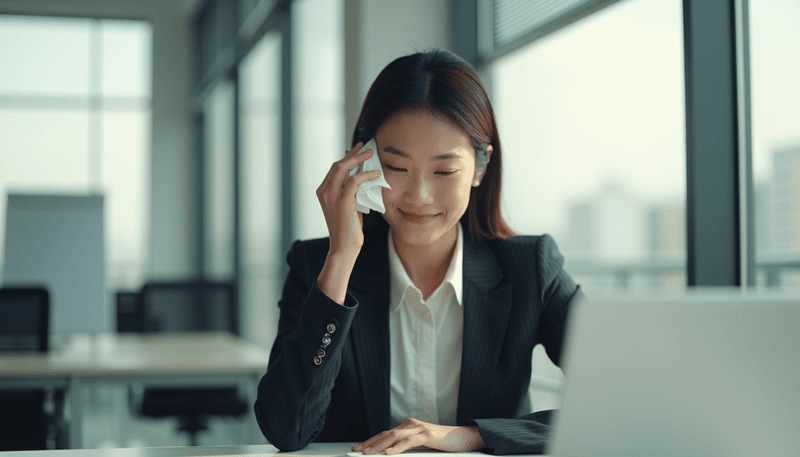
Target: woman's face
column 430, row 164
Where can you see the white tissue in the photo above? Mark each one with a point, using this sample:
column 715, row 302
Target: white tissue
column 370, row 194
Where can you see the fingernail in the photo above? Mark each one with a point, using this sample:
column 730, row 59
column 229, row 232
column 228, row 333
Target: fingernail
column 367, row 449
column 376, row 172
column 357, row 448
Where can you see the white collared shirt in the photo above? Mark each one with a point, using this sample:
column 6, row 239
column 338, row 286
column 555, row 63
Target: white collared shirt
column 425, row 339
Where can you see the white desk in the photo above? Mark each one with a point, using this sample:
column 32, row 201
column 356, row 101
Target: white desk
column 193, row 359
column 313, row 449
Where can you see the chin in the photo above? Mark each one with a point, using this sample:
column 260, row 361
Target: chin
column 418, row 234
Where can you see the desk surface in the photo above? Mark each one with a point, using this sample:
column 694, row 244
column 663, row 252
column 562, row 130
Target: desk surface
column 111, row 355
column 313, row 449
column 179, row 359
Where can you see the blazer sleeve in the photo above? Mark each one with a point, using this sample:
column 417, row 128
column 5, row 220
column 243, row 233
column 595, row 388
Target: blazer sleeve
column 295, row 391
column 528, row 434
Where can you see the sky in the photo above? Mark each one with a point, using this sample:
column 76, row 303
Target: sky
column 597, row 104
column 600, row 104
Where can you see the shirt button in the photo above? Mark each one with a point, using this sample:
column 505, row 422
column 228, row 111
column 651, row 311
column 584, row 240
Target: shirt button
column 317, row 360
column 331, row 328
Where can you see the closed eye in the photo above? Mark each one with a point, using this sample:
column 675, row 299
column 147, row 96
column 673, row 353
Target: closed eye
column 394, row 168
column 400, row 170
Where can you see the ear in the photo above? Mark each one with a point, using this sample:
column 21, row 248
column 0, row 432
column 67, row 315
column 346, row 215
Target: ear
column 476, row 180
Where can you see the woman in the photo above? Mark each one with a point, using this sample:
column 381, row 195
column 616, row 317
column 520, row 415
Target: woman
column 415, row 327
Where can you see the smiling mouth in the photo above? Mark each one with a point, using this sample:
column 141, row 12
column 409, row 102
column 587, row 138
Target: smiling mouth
column 417, row 218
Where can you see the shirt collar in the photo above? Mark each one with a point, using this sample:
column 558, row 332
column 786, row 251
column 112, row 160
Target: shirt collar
column 401, row 281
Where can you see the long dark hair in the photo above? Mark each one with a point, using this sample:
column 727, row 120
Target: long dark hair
column 446, row 85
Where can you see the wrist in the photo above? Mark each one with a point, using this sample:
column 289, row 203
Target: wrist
column 335, row 276
column 475, row 441
column 342, row 258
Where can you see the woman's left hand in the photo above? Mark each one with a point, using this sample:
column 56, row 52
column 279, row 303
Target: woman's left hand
column 413, row 433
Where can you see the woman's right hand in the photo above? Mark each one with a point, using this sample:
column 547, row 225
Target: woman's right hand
column 337, row 196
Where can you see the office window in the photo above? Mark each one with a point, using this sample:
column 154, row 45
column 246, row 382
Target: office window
column 775, row 100
column 75, row 110
column 218, row 163
column 592, row 126
column 261, row 257
column 320, row 136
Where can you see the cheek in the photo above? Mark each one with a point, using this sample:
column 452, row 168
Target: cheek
column 455, row 195
column 390, row 195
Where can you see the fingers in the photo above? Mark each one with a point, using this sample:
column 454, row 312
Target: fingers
column 341, row 168
column 352, row 160
column 410, row 433
column 351, row 152
column 406, row 444
column 356, row 180
column 413, row 433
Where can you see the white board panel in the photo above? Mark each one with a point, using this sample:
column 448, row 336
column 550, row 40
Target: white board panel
column 57, row 240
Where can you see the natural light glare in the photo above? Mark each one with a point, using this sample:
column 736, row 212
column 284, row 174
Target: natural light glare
column 126, row 135
column 51, row 56
column 260, row 252
column 126, row 59
column 775, row 101
column 319, row 62
column 592, row 126
column 218, row 181
column 75, row 118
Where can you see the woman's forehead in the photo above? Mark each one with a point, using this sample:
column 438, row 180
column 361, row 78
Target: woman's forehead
column 420, row 134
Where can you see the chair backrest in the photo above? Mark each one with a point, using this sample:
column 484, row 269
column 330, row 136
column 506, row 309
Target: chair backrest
column 189, row 306
column 24, row 319
column 130, row 316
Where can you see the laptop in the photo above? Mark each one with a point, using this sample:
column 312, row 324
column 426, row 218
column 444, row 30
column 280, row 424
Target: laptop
column 703, row 374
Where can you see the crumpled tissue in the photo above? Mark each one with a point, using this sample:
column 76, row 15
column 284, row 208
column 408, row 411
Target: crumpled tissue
column 370, row 195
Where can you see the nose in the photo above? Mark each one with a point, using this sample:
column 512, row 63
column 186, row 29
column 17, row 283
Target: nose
column 419, row 191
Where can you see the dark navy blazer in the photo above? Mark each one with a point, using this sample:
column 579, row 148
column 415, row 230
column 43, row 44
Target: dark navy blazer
column 515, row 296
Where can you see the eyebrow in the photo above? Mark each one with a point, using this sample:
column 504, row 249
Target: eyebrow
column 397, row 152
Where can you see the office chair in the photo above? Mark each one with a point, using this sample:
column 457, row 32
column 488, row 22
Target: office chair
column 187, row 306
column 30, row 419
column 130, row 317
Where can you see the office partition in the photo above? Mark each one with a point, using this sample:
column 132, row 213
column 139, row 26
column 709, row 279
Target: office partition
column 57, row 241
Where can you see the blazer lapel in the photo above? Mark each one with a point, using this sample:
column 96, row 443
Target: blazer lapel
column 369, row 284
column 486, row 311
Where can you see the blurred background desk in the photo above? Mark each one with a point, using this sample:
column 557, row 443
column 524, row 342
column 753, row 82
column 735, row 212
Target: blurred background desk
column 315, row 449
column 173, row 359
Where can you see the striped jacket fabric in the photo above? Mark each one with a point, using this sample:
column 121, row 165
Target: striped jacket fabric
column 329, row 369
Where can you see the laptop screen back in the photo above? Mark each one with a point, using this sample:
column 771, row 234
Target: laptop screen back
column 699, row 375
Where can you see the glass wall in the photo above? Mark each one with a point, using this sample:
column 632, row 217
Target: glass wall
column 775, row 100
column 254, row 169
column 320, row 138
column 592, row 127
column 75, row 114
column 218, row 182
column 261, row 257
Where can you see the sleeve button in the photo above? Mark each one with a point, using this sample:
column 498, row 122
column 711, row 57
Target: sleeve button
column 321, row 352
column 326, row 341
column 331, row 328
column 317, row 360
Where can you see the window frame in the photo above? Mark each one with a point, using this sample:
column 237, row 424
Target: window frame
column 720, row 234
